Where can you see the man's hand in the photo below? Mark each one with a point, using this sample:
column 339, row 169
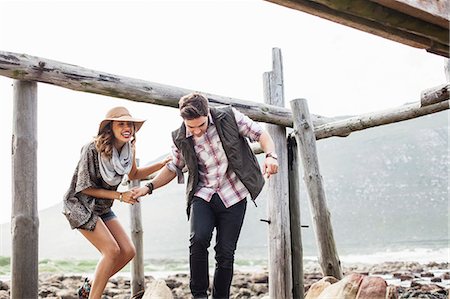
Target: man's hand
column 138, row 192
column 270, row 166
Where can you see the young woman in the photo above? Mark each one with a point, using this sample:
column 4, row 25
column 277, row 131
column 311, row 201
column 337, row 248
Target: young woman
column 87, row 203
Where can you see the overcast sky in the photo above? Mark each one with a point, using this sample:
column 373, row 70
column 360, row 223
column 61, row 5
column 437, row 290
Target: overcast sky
column 220, row 47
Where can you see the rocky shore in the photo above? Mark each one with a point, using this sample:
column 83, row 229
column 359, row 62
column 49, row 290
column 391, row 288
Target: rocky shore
column 413, row 280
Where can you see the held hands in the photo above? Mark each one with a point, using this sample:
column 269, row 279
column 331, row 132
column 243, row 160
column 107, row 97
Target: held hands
column 127, row 197
column 138, row 192
column 270, row 166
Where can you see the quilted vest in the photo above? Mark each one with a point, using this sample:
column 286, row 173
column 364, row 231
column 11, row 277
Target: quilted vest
column 241, row 159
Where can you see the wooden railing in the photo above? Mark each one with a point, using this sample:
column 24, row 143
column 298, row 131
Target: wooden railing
column 285, row 242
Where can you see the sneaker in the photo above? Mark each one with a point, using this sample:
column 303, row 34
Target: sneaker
column 84, row 290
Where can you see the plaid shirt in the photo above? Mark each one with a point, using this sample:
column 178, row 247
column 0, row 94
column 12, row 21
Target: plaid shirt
column 214, row 175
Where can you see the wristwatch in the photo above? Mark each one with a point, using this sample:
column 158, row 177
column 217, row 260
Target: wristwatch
column 150, row 187
column 272, row 155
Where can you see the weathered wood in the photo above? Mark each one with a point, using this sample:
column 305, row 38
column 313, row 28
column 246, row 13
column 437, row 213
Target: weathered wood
column 435, row 95
column 304, row 134
column 447, row 70
column 295, row 223
column 344, row 127
column 24, row 218
column 380, row 20
column 280, row 264
column 432, row 11
column 137, row 264
column 26, row 67
column 21, row 66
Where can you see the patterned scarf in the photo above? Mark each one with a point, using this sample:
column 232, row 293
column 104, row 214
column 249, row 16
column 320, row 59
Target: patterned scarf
column 112, row 170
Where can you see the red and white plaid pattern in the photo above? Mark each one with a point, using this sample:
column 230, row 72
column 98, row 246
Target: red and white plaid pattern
column 213, row 163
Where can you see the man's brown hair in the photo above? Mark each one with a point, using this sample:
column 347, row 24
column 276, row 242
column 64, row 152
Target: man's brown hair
column 193, row 105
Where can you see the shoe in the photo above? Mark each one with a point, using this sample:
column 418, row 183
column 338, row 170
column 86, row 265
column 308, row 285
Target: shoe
column 84, row 290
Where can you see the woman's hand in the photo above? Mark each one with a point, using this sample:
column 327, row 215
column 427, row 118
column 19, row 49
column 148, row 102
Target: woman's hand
column 138, row 192
column 166, row 160
column 127, row 197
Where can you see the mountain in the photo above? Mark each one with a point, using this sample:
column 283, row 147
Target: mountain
column 386, row 187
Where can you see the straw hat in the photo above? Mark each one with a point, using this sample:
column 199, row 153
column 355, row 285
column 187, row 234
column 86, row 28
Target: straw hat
column 120, row 114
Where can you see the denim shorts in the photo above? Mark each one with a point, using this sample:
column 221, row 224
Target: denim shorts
column 108, row 216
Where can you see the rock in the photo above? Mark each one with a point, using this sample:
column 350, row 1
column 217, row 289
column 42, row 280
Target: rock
column 352, row 286
column 347, row 287
column 260, row 288
column 244, row 293
column 317, row 287
column 404, row 277
column 66, row 294
column 4, row 286
column 173, row 283
column 260, row 278
column 391, row 292
column 48, row 291
column 372, row 287
column 157, row 289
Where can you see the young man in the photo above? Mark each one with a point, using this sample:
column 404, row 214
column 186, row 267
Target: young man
column 223, row 171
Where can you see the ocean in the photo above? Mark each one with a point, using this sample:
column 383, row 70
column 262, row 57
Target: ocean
column 161, row 267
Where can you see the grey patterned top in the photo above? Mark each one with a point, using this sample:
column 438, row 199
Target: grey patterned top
column 82, row 210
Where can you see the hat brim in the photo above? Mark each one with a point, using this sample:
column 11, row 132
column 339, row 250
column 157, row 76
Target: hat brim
column 137, row 122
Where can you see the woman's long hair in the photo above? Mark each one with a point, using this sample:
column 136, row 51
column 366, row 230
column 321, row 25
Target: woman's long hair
column 104, row 141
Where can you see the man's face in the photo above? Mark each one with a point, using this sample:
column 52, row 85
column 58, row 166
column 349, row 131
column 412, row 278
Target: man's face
column 197, row 126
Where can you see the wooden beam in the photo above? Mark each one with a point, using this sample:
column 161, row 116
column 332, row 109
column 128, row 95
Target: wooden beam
column 22, row 66
column 26, row 67
column 304, row 134
column 390, row 18
column 435, row 95
column 447, row 70
column 379, row 20
column 344, row 127
column 24, row 216
column 280, row 263
column 432, row 11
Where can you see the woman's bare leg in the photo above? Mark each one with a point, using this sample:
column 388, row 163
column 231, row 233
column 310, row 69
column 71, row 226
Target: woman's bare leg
column 105, row 242
column 127, row 250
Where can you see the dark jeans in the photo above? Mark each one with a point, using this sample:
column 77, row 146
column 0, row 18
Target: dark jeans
column 205, row 216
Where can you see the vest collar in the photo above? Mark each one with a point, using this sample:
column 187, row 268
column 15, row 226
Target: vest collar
column 213, row 115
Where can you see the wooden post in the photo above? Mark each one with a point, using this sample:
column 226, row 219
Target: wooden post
column 280, row 266
column 137, row 264
column 304, row 134
column 24, row 217
column 447, row 69
column 294, row 208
